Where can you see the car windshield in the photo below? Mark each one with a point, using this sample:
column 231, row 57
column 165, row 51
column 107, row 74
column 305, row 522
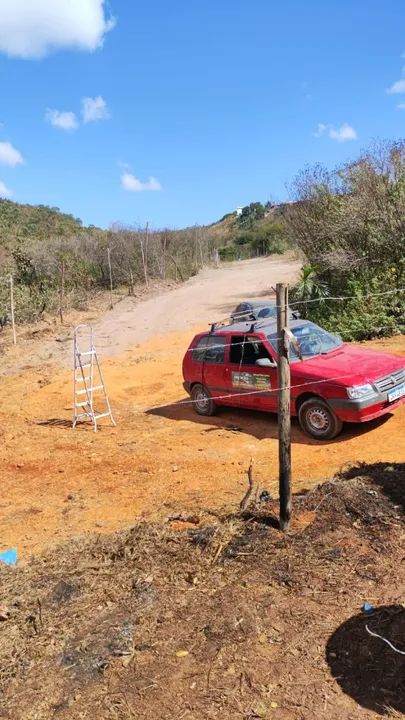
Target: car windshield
column 312, row 339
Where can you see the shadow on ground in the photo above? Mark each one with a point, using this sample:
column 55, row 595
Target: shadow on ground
column 367, row 668
column 64, row 424
column 385, row 475
column 260, row 425
column 54, row 422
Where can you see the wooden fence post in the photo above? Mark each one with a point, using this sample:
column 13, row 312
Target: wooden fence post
column 62, row 290
column 144, row 252
column 110, row 273
column 284, row 416
column 12, row 309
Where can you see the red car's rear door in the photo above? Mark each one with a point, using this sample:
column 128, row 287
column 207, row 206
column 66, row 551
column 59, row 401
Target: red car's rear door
column 252, row 383
column 214, row 368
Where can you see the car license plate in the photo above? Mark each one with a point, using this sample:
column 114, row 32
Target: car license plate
column 397, row 393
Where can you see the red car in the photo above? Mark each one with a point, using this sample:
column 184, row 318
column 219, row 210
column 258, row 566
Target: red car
column 335, row 382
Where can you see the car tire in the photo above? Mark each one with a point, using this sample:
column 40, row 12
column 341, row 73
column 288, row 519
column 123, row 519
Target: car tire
column 203, row 403
column 318, row 420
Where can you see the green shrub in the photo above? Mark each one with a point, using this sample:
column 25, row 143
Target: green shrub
column 369, row 313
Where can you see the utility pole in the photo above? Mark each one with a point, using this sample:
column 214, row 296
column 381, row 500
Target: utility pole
column 111, row 282
column 284, row 416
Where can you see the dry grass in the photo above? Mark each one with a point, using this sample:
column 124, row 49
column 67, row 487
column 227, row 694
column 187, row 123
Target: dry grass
column 225, row 618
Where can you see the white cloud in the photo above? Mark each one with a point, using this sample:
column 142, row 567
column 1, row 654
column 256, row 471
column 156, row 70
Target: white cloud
column 401, row 106
column 397, row 87
column 5, row 192
column 342, row 134
column 9, row 155
column 320, row 130
column 64, row 120
column 31, row 29
column 94, row 109
column 132, row 184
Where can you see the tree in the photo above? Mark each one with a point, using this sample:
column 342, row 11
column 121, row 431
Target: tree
column 309, row 288
column 350, row 225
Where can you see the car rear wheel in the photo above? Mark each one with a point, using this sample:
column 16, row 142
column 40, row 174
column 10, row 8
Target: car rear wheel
column 203, row 403
column 318, row 420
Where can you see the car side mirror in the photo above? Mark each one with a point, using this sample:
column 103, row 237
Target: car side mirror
column 266, row 363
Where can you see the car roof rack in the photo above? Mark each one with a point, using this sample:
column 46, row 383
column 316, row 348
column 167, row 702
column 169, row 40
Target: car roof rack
column 260, row 323
column 226, row 322
column 221, row 323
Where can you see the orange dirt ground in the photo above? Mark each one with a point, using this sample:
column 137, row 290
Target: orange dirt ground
column 57, row 482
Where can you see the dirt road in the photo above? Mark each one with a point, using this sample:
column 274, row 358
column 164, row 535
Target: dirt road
column 57, row 483
column 209, row 296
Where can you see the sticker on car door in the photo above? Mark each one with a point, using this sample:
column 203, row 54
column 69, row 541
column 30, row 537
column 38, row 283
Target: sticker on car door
column 251, row 381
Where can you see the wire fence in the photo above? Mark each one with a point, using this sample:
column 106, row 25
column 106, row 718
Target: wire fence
column 255, row 325
column 248, row 393
column 329, row 298
column 259, row 327
column 261, row 391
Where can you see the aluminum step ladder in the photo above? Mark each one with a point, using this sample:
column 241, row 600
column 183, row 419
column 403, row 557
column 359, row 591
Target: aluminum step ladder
column 88, row 380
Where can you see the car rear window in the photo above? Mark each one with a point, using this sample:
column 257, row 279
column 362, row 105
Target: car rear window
column 210, row 349
column 266, row 312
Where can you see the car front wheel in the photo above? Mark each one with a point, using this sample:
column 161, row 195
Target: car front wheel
column 203, row 403
column 318, row 420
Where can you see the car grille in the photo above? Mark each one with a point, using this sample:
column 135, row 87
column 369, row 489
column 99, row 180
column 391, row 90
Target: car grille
column 390, row 381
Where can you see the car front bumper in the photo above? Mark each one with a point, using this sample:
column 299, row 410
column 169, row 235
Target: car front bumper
column 364, row 410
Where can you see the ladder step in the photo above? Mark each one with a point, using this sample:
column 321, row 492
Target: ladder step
column 82, row 379
column 106, row 414
column 88, row 352
column 90, row 389
column 83, row 367
column 82, row 404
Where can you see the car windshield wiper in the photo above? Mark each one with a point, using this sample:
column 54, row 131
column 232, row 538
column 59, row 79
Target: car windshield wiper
column 326, row 352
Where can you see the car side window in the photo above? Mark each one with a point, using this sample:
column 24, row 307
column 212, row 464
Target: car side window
column 246, row 349
column 210, row 349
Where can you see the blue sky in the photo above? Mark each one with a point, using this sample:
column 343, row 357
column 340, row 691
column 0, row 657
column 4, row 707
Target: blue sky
column 193, row 108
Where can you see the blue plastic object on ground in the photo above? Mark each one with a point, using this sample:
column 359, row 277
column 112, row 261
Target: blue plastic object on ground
column 368, row 608
column 9, row 557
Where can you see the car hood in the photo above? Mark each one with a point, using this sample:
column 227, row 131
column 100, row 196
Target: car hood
column 355, row 364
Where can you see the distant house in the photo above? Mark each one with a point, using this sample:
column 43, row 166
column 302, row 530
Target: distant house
column 238, row 211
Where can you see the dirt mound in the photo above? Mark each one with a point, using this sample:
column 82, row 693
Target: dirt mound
column 229, row 618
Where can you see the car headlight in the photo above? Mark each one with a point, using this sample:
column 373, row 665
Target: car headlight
column 360, row 391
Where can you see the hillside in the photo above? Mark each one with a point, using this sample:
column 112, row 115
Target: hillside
column 57, row 263
column 251, row 233
column 20, row 222
column 257, row 230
